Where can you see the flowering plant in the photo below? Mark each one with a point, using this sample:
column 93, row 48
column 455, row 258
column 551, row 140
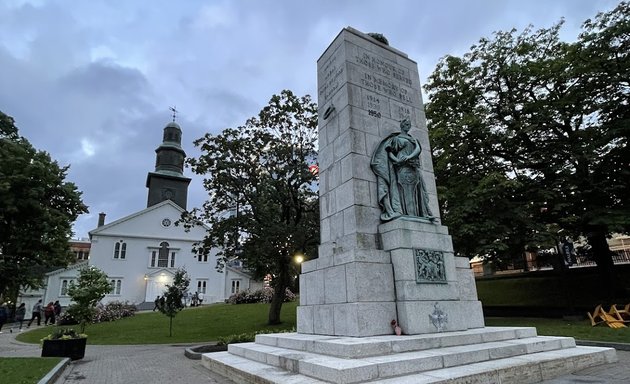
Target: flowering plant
column 64, row 334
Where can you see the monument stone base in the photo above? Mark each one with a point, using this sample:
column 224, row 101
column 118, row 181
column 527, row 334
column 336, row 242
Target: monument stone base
column 484, row 355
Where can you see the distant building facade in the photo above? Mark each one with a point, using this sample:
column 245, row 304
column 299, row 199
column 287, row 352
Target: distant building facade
column 141, row 252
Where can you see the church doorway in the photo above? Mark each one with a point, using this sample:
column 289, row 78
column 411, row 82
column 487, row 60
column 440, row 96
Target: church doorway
column 156, row 284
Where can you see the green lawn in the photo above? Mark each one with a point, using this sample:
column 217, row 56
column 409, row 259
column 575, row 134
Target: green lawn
column 192, row 325
column 581, row 330
column 208, row 323
column 25, row 370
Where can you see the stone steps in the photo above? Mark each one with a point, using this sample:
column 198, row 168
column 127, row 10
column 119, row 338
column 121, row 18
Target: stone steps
column 503, row 352
column 356, row 347
column 531, row 368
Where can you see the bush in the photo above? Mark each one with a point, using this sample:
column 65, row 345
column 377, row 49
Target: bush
column 260, row 296
column 111, row 312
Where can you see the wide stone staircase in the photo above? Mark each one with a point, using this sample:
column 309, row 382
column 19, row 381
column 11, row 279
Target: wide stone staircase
column 485, row 355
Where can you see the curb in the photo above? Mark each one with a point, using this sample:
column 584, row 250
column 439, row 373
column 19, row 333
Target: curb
column 617, row 346
column 194, row 353
column 55, row 372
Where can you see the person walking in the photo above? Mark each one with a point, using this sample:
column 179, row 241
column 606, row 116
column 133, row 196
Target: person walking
column 156, row 303
column 49, row 314
column 37, row 312
column 57, row 307
column 20, row 313
column 4, row 315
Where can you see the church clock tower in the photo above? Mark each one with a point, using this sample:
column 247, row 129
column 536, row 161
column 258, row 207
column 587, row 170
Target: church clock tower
column 168, row 181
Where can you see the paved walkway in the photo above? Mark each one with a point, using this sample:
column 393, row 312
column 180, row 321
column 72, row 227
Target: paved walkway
column 167, row 364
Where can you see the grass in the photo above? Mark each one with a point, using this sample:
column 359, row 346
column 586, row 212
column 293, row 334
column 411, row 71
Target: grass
column 26, row 370
column 192, row 325
column 199, row 325
column 580, row 330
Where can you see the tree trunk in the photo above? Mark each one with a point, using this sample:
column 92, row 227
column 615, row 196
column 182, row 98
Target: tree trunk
column 279, row 291
column 603, row 258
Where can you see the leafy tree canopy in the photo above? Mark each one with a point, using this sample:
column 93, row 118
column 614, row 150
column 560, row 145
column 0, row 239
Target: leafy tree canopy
column 37, row 209
column 262, row 205
column 91, row 287
column 530, row 136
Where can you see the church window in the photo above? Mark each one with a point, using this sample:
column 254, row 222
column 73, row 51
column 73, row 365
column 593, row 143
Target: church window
column 202, row 258
column 120, row 250
column 201, row 286
column 236, row 286
column 115, row 285
column 65, row 284
column 163, row 255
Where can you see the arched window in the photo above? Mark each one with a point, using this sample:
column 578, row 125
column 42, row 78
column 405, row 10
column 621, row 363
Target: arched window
column 163, row 255
column 120, row 250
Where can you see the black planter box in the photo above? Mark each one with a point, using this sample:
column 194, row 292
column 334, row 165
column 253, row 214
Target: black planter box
column 72, row 348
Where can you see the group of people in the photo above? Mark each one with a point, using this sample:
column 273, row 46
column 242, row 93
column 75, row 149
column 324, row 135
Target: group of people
column 51, row 312
column 195, row 300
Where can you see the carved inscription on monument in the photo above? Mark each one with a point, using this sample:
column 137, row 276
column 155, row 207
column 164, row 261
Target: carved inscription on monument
column 331, row 79
column 429, row 266
column 375, row 104
column 381, row 66
column 383, row 76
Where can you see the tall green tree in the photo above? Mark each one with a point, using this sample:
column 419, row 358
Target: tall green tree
column 262, row 206
column 173, row 299
column 546, row 122
column 37, row 208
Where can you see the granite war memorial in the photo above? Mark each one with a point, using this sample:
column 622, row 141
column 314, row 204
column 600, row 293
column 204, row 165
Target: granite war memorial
column 386, row 264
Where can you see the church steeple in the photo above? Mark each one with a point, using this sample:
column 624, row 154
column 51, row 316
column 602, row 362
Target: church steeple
column 168, row 181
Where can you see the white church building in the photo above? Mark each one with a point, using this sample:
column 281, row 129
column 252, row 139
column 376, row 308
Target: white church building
column 141, row 252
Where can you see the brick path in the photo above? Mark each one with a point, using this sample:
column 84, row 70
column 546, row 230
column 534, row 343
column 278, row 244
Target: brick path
column 167, row 364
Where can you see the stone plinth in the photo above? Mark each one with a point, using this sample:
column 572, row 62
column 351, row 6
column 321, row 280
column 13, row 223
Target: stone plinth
column 455, row 294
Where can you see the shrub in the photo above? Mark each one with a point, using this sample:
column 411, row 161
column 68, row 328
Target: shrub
column 64, row 334
column 259, row 296
column 113, row 311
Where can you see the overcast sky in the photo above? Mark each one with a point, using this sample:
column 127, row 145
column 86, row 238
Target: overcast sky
column 91, row 81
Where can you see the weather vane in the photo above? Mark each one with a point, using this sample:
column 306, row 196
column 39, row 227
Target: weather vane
column 174, row 110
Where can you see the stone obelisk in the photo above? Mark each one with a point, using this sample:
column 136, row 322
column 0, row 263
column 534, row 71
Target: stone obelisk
column 384, row 255
column 370, row 272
